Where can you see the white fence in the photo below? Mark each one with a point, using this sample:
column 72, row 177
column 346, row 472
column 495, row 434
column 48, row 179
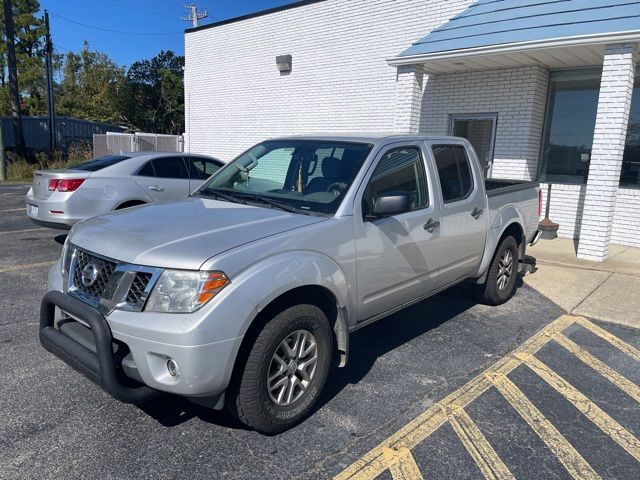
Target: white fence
column 113, row 142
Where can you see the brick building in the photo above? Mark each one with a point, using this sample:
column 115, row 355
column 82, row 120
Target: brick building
column 545, row 90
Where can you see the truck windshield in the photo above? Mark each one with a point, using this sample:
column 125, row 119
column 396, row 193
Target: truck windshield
column 296, row 175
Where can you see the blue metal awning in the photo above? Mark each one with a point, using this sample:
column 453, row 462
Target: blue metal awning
column 491, row 24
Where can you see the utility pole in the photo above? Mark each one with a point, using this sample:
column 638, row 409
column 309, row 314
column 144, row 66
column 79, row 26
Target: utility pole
column 51, row 103
column 194, row 16
column 14, row 92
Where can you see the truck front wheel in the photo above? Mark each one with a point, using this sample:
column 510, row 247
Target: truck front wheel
column 284, row 371
column 500, row 285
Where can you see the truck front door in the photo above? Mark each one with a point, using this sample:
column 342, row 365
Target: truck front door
column 464, row 217
column 397, row 257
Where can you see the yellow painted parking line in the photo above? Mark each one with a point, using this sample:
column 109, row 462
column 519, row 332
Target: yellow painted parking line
column 612, row 339
column 477, row 445
column 25, row 267
column 23, row 231
column 599, row 366
column 577, row 466
column 589, row 409
column 402, row 465
column 374, row 463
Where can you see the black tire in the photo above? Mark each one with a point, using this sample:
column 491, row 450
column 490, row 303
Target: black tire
column 493, row 292
column 249, row 399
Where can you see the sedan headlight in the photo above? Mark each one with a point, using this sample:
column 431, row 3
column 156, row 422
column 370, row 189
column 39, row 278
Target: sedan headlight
column 184, row 291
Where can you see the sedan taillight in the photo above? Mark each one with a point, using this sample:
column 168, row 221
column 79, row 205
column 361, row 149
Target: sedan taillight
column 65, row 184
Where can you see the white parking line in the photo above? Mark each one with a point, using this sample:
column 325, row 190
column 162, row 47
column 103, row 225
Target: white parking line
column 13, row 210
column 24, row 231
column 24, row 267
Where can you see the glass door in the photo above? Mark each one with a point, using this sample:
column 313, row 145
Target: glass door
column 480, row 130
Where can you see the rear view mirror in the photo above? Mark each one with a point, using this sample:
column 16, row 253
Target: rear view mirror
column 391, row 203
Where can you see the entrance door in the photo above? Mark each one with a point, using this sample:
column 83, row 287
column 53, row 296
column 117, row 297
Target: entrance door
column 480, row 130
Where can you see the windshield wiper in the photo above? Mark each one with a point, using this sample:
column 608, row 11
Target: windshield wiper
column 272, row 203
column 224, row 196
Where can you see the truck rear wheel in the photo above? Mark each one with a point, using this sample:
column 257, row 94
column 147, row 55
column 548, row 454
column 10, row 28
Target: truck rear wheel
column 500, row 285
column 284, row 371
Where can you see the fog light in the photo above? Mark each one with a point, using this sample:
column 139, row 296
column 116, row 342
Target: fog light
column 172, row 367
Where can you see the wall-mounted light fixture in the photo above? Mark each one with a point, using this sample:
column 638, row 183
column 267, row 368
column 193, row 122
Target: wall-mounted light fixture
column 284, row 63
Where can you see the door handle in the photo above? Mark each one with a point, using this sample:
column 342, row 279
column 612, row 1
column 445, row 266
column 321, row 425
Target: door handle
column 431, row 225
column 157, row 188
column 477, row 212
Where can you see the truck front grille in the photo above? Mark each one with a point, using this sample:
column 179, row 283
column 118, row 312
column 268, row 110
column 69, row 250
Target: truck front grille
column 91, row 275
column 108, row 284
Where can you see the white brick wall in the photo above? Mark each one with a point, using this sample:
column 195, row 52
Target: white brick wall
column 340, row 80
column 614, row 104
column 517, row 95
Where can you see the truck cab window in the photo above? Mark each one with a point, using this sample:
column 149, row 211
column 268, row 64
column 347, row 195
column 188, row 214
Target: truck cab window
column 399, row 170
column 454, row 170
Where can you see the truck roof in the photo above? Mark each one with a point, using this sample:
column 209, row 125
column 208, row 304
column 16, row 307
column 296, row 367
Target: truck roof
column 367, row 137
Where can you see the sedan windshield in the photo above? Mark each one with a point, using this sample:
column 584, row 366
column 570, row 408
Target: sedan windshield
column 302, row 176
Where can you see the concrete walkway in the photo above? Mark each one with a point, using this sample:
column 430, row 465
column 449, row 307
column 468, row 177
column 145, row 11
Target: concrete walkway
column 607, row 291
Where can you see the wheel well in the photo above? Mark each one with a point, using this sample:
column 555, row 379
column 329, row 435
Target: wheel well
column 316, row 295
column 514, row 230
column 130, row 203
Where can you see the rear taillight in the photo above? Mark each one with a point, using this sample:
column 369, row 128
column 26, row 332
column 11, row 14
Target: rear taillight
column 65, row 184
column 539, row 202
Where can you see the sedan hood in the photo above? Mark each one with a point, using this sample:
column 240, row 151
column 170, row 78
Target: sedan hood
column 181, row 234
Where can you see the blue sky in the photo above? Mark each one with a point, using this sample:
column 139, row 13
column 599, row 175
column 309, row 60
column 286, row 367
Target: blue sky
column 156, row 23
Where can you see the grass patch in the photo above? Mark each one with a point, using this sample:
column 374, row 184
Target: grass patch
column 20, row 170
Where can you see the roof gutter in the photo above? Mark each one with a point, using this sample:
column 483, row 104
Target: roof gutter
column 594, row 39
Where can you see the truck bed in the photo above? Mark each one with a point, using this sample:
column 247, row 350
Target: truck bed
column 496, row 186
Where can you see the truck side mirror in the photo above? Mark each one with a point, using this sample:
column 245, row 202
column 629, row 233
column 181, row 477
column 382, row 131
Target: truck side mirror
column 391, row 203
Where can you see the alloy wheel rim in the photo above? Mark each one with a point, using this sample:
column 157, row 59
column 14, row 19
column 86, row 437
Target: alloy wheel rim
column 292, row 368
column 505, row 270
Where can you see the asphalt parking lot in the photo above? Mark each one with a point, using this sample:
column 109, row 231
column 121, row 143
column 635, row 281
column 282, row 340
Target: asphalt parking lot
column 431, row 392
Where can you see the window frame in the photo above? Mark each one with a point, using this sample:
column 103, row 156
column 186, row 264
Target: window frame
column 471, row 170
column 383, row 153
column 479, row 116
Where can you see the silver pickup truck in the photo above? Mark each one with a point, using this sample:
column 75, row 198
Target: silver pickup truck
column 245, row 293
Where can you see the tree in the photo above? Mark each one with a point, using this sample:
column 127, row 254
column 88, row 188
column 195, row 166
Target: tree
column 14, row 92
column 91, row 86
column 154, row 99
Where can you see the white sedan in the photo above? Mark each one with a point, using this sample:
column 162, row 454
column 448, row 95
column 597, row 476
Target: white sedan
column 60, row 198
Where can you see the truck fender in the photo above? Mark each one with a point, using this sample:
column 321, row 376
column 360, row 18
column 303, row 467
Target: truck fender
column 507, row 217
column 270, row 278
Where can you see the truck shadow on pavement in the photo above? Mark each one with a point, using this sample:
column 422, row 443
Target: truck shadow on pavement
column 366, row 347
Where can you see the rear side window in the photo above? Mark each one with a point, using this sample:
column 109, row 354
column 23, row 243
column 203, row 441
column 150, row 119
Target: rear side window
column 399, row 170
column 454, row 170
column 100, row 163
column 170, row 167
column 147, row 170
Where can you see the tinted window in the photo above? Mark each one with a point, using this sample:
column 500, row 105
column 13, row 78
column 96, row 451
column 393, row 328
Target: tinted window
column 146, row 170
column 630, row 174
column 454, row 170
column 201, row 168
column 170, row 167
column 399, row 170
column 100, row 163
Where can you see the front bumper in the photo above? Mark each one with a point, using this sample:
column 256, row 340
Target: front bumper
column 99, row 366
column 141, row 371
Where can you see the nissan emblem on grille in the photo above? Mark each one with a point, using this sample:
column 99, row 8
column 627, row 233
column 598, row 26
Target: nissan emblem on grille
column 89, row 274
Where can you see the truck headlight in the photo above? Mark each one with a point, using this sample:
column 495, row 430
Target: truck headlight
column 184, row 291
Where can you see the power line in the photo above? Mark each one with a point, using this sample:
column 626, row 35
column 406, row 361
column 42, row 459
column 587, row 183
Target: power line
column 148, row 9
column 111, row 30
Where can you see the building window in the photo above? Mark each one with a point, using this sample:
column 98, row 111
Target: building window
column 630, row 175
column 569, row 126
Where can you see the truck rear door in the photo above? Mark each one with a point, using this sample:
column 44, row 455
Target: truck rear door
column 397, row 257
column 464, row 215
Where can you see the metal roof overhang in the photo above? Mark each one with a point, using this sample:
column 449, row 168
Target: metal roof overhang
column 566, row 52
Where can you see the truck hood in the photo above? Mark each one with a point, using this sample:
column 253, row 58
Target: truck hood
column 181, row 234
